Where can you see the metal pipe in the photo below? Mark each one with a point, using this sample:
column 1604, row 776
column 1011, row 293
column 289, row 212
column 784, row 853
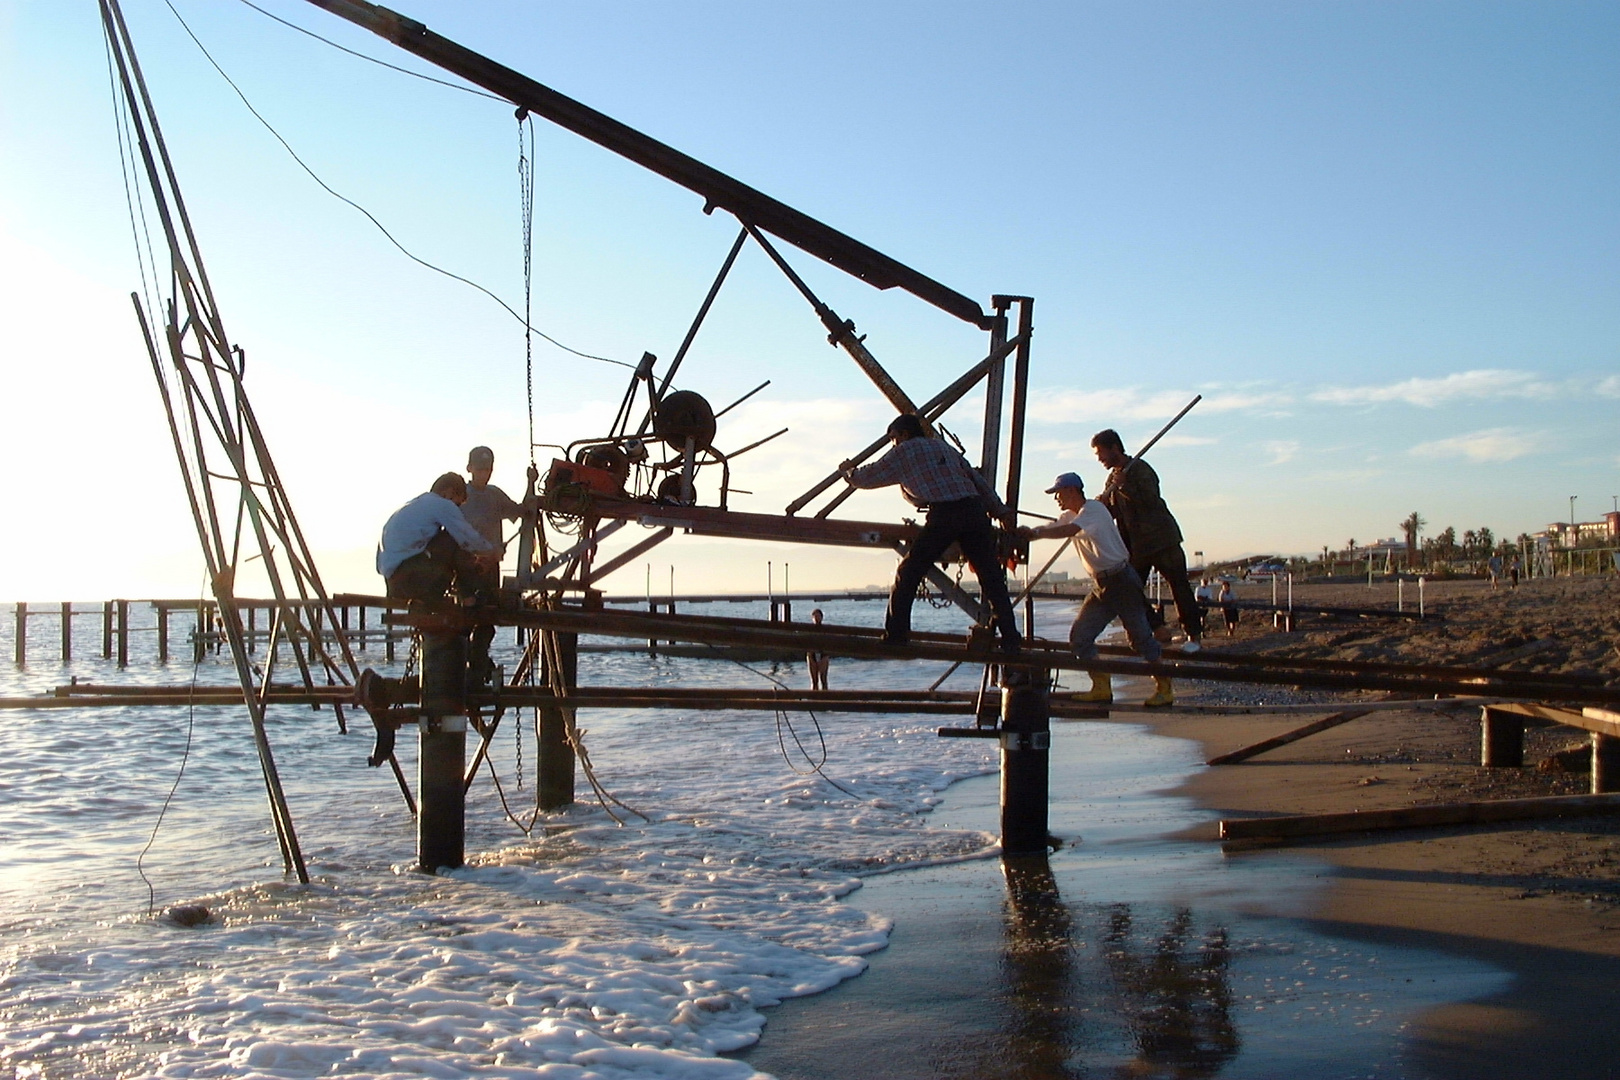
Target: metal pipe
column 697, row 322
column 742, row 399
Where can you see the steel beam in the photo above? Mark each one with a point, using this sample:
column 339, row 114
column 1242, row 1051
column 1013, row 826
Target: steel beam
column 718, row 190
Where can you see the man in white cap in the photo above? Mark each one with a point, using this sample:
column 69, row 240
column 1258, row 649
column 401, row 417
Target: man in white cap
column 1116, row 588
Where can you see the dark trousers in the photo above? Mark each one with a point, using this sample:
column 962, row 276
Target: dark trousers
column 485, row 587
column 431, row 572
column 1171, row 563
column 964, row 523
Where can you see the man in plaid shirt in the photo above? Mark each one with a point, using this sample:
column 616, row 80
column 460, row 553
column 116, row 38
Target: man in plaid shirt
column 934, row 477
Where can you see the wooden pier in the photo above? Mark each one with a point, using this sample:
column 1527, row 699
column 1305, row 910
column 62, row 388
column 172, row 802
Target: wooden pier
column 359, row 624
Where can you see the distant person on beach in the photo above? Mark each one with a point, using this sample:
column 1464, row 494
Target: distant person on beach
column 1131, row 495
column 817, row 662
column 427, row 545
column 1494, row 566
column 935, row 477
column 1116, row 587
column 487, row 506
column 1205, row 595
column 1229, row 608
column 1513, row 573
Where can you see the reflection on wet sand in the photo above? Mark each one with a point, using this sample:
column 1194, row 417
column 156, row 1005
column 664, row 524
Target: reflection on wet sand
column 1176, row 998
column 1037, row 970
column 1168, row 997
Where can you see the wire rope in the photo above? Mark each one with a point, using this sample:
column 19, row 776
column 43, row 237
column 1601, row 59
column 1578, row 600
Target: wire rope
column 369, row 215
column 133, row 202
column 783, row 719
column 380, row 63
column 526, row 209
column 185, row 758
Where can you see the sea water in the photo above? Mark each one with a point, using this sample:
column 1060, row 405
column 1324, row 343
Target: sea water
column 584, row 944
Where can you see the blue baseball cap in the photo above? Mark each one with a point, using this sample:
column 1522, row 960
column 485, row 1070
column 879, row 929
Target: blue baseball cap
column 1067, row 480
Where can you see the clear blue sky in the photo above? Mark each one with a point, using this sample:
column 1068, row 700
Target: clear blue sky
column 1380, row 239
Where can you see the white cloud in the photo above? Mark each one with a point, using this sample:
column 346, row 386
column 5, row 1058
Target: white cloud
column 1610, row 387
column 1427, row 393
column 1110, row 403
column 1281, row 451
column 1126, row 403
column 1187, row 440
column 1246, row 400
column 1492, row 444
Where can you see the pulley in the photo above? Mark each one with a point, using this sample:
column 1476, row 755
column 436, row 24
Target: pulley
column 684, row 415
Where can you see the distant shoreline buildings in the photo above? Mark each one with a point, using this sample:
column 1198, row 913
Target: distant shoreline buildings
column 1564, row 535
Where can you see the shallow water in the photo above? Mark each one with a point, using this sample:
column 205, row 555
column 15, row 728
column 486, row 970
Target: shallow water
column 584, row 949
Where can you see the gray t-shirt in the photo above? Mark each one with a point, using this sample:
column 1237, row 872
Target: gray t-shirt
column 486, row 508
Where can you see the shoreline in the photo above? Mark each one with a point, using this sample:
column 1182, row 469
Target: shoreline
column 1508, row 895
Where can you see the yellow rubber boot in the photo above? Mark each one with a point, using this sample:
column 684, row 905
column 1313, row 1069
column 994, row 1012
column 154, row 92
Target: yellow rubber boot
column 1102, row 689
column 1163, row 693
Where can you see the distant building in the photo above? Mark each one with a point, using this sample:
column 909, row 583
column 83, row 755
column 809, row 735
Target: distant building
column 1381, row 549
column 1604, row 532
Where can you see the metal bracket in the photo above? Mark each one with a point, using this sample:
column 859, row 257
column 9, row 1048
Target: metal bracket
column 1026, row 740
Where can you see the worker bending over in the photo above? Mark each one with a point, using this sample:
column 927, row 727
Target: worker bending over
column 427, row 545
column 1116, row 587
column 1148, row 528
column 935, row 477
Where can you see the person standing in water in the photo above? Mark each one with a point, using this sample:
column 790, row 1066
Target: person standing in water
column 817, row 662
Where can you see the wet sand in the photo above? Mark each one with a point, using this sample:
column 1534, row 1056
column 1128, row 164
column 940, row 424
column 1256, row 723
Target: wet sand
column 963, row 991
column 1541, row 900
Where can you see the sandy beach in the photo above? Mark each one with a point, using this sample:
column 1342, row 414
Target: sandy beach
column 1539, row 901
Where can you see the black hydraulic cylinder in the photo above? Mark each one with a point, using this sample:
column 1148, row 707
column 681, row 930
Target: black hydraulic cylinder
column 441, row 819
column 1026, row 741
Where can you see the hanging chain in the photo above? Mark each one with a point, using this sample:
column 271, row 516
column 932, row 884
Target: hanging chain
column 526, row 205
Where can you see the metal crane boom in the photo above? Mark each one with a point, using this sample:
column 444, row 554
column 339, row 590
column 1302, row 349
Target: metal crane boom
column 718, row 190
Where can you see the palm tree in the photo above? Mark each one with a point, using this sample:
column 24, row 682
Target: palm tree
column 1411, row 527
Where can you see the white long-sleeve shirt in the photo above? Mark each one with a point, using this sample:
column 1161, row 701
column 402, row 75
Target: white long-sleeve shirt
column 410, row 528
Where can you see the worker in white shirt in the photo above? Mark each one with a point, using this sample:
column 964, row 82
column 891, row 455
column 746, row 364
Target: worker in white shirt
column 1116, row 589
column 427, row 545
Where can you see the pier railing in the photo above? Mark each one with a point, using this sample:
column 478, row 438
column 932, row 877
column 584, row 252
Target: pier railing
column 195, row 621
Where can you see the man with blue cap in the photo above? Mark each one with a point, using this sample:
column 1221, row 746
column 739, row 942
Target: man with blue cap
column 1116, row 589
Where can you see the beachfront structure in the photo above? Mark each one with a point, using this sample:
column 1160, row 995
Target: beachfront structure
column 1604, row 532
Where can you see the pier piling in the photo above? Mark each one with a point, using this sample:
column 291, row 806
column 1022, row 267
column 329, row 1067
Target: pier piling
column 22, row 633
column 554, row 781
column 1605, row 763
column 1026, row 751
column 106, row 629
column 441, row 820
column 67, row 631
column 123, row 633
column 1501, row 739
